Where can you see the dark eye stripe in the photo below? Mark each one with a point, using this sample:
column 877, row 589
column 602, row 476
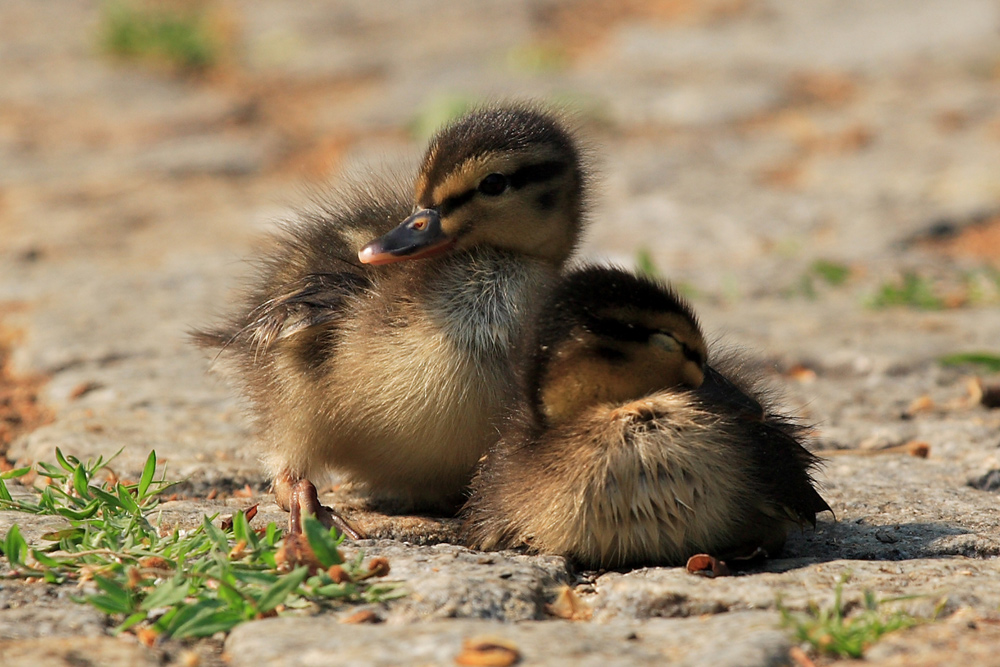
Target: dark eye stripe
column 532, row 173
column 536, row 173
column 618, row 330
column 636, row 333
column 692, row 355
column 449, row 205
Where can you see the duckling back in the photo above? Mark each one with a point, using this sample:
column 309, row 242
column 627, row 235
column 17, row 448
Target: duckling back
column 691, row 466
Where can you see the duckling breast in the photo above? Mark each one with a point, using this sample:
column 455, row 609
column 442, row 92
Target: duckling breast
column 487, row 298
column 669, row 483
column 649, row 482
column 423, row 371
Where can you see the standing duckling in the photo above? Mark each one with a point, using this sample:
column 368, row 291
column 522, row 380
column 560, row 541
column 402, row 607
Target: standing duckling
column 390, row 371
column 628, row 449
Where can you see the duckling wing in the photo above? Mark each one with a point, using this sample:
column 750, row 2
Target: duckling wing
column 782, row 465
column 310, row 270
column 313, row 300
column 720, row 390
column 784, row 469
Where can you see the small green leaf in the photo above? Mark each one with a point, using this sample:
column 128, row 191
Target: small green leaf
column 115, row 591
column 15, row 547
column 190, row 618
column 86, row 512
column 64, row 534
column 44, row 559
column 645, row 263
column 53, row 577
column 240, row 526
column 134, row 619
column 80, row 482
column 243, row 531
column 277, row 593
column 49, row 470
column 334, row 590
column 15, row 473
column 232, row 597
column 271, row 534
column 147, row 475
column 834, row 273
column 167, row 594
column 915, row 291
column 126, row 499
column 208, row 623
column 4, row 493
column 255, row 577
column 66, row 465
column 988, row 360
column 108, row 604
column 216, row 535
column 111, row 501
column 322, row 541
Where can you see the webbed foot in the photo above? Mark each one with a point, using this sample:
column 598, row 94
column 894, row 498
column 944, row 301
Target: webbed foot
column 303, row 501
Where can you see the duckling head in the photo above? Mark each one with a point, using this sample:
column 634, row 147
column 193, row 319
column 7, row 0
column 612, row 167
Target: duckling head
column 508, row 177
column 608, row 336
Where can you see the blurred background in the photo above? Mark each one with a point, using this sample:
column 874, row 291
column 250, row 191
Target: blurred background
column 817, row 176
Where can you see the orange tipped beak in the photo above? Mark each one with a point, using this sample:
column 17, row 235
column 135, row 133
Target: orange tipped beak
column 420, row 235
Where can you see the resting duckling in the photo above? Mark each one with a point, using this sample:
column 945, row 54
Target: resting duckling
column 393, row 372
column 628, row 449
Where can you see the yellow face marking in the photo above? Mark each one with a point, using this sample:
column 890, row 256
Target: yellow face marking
column 462, row 179
column 512, row 222
column 578, row 376
column 421, row 184
column 679, row 326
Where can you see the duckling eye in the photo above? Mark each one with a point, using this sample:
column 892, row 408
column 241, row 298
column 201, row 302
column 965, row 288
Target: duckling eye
column 493, row 185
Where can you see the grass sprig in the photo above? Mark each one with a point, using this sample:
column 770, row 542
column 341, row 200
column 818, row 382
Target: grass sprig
column 174, row 583
column 833, row 631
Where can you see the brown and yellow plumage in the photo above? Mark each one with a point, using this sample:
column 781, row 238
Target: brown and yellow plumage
column 394, row 372
column 601, row 462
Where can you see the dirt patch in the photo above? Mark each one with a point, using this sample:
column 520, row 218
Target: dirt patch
column 21, row 410
column 579, row 27
column 977, row 237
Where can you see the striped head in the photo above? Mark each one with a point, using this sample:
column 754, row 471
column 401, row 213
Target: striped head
column 609, row 336
column 507, row 177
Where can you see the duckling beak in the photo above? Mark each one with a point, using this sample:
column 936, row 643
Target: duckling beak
column 420, row 235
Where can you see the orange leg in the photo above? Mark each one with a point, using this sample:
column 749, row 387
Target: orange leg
column 299, row 498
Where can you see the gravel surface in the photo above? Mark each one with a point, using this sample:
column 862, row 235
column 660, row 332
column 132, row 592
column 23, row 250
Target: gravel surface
column 737, row 144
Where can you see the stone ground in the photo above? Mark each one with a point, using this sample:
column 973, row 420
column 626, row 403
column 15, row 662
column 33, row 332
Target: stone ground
column 738, row 142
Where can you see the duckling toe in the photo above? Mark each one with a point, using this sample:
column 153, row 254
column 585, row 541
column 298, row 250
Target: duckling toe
column 304, row 501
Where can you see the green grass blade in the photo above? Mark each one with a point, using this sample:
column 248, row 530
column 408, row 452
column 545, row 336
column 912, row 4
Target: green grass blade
column 44, row 559
column 987, row 360
column 109, row 500
column 148, row 471
column 167, row 594
column 131, row 621
column 127, row 501
column 323, row 542
column 216, row 535
column 116, row 592
column 15, row 548
column 66, row 465
column 80, row 482
column 85, row 512
column 277, row 593
column 207, row 622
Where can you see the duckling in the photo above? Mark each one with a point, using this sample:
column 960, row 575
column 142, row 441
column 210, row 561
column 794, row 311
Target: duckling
column 627, row 448
column 376, row 339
